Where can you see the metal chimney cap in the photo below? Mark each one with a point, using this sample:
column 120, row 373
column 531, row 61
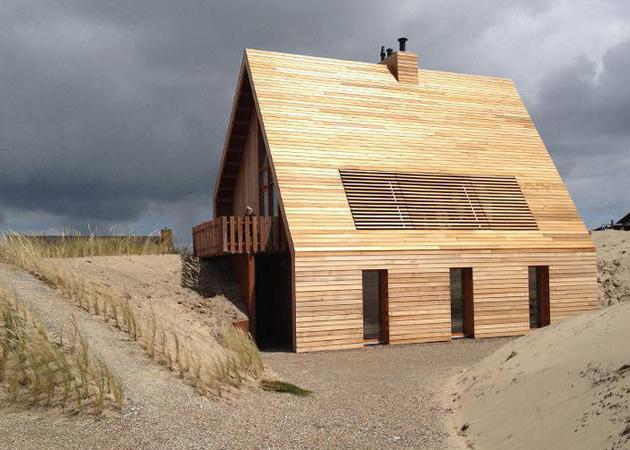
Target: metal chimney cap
column 402, row 41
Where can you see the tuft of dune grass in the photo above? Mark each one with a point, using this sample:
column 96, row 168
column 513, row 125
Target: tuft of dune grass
column 34, row 370
column 213, row 373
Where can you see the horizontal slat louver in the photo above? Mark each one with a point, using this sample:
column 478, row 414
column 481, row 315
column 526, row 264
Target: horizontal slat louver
column 387, row 200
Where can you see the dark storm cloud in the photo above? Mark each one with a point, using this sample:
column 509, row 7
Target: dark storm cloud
column 115, row 112
column 583, row 114
column 598, row 103
column 109, row 107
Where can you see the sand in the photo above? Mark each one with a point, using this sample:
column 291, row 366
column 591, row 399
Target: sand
column 563, row 386
column 613, row 262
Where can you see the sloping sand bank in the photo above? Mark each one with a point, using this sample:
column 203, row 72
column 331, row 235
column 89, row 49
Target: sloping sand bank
column 152, row 284
column 154, row 281
column 564, row 386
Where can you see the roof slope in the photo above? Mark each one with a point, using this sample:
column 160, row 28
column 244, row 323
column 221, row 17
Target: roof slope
column 321, row 115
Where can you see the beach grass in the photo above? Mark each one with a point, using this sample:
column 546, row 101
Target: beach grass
column 215, row 372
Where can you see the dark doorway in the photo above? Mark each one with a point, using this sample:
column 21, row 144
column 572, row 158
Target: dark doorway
column 273, row 302
column 539, row 296
column 375, row 312
column 462, row 309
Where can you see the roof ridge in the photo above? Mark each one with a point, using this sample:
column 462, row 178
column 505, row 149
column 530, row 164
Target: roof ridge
column 364, row 63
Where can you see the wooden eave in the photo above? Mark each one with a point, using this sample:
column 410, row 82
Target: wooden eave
column 244, row 104
column 240, row 116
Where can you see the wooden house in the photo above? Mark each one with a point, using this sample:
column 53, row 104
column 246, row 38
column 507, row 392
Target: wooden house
column 622, row 224
column 364, row 203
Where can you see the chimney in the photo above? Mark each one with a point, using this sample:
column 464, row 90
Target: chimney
column 402, row 64
column 402, row 42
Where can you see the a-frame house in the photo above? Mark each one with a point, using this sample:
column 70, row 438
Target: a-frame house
column 367, row 203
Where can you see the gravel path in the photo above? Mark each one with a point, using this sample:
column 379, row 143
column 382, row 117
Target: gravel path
column 373, row 398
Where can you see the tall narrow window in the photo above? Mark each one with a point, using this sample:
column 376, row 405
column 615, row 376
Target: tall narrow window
column 539, row 296
column 462, row 309
column 375, row 313
column 268, row 200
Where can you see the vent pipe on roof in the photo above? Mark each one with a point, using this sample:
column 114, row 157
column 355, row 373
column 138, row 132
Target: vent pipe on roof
column 389, row 52
column 402, row 42
column 382, row 53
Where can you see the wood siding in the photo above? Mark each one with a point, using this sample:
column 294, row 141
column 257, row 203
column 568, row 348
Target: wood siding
column 329, row 293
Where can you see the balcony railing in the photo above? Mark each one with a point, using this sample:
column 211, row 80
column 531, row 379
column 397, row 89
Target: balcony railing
column 237, row 235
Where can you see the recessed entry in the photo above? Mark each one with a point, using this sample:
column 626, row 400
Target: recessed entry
column 375, row 311
column 462, row 309
column 539, row 296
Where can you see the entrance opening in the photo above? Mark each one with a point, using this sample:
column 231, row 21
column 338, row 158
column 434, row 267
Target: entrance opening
column 462, row 309
column 539, row 296
column 273, row 301
column 375, row 313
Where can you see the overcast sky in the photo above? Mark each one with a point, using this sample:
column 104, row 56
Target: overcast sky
column 114, row 112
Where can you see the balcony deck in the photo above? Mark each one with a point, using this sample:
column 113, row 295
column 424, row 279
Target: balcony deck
column 229, row 235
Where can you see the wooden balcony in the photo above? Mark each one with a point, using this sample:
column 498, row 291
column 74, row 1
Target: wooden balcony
column 237, row 235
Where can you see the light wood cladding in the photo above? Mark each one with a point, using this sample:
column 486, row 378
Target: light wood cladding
column 319, row 116
column 329, row 296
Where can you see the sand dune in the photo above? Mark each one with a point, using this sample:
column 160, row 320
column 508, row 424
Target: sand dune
column 613, row 262
column 564, row 386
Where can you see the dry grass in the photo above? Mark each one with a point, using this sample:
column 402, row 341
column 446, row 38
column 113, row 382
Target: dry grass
column 73, row 245
column 35, row 370
column 215, row 372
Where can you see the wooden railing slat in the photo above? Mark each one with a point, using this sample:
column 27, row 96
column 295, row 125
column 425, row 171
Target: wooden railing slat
column 218, row 236
column 255, row 235
column 231, row 236
column 247, row 229
column 239, row 234
column 225, row 234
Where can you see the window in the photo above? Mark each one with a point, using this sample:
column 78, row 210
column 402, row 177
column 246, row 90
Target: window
column 386, row 200
column 268, row 196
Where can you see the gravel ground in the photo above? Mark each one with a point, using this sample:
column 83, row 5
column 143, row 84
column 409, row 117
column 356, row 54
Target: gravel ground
column 381, row 397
